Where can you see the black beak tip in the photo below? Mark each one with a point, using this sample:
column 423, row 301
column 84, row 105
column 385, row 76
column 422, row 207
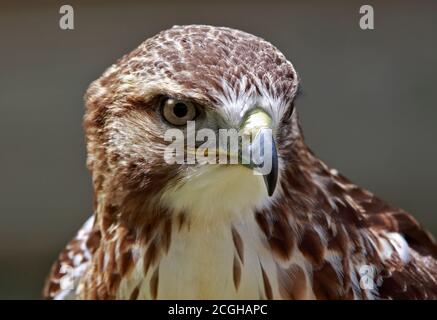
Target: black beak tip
column 270, row 180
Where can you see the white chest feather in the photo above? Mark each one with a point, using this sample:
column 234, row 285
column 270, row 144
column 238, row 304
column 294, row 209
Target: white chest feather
column 222, row 254
column 202, row 263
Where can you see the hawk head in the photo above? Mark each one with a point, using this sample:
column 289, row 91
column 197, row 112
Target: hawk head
column 217, row 78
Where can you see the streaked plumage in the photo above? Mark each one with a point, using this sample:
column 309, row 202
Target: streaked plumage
column 211, row 231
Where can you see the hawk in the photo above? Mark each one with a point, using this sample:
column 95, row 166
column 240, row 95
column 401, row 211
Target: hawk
column 214, row 231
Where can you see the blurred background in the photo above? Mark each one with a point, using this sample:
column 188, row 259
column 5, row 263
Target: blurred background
column 368, row 108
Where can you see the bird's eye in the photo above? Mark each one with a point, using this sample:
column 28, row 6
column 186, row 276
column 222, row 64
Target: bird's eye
column 178, row 112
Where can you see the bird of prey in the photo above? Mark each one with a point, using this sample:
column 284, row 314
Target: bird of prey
column 218, row 231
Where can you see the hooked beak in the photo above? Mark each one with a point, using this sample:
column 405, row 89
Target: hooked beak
column 258, row 148
column 271, row 178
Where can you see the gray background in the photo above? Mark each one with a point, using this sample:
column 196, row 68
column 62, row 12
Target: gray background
column 368, row 109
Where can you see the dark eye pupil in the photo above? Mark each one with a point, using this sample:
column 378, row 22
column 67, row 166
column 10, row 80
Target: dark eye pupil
column 180, row 110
